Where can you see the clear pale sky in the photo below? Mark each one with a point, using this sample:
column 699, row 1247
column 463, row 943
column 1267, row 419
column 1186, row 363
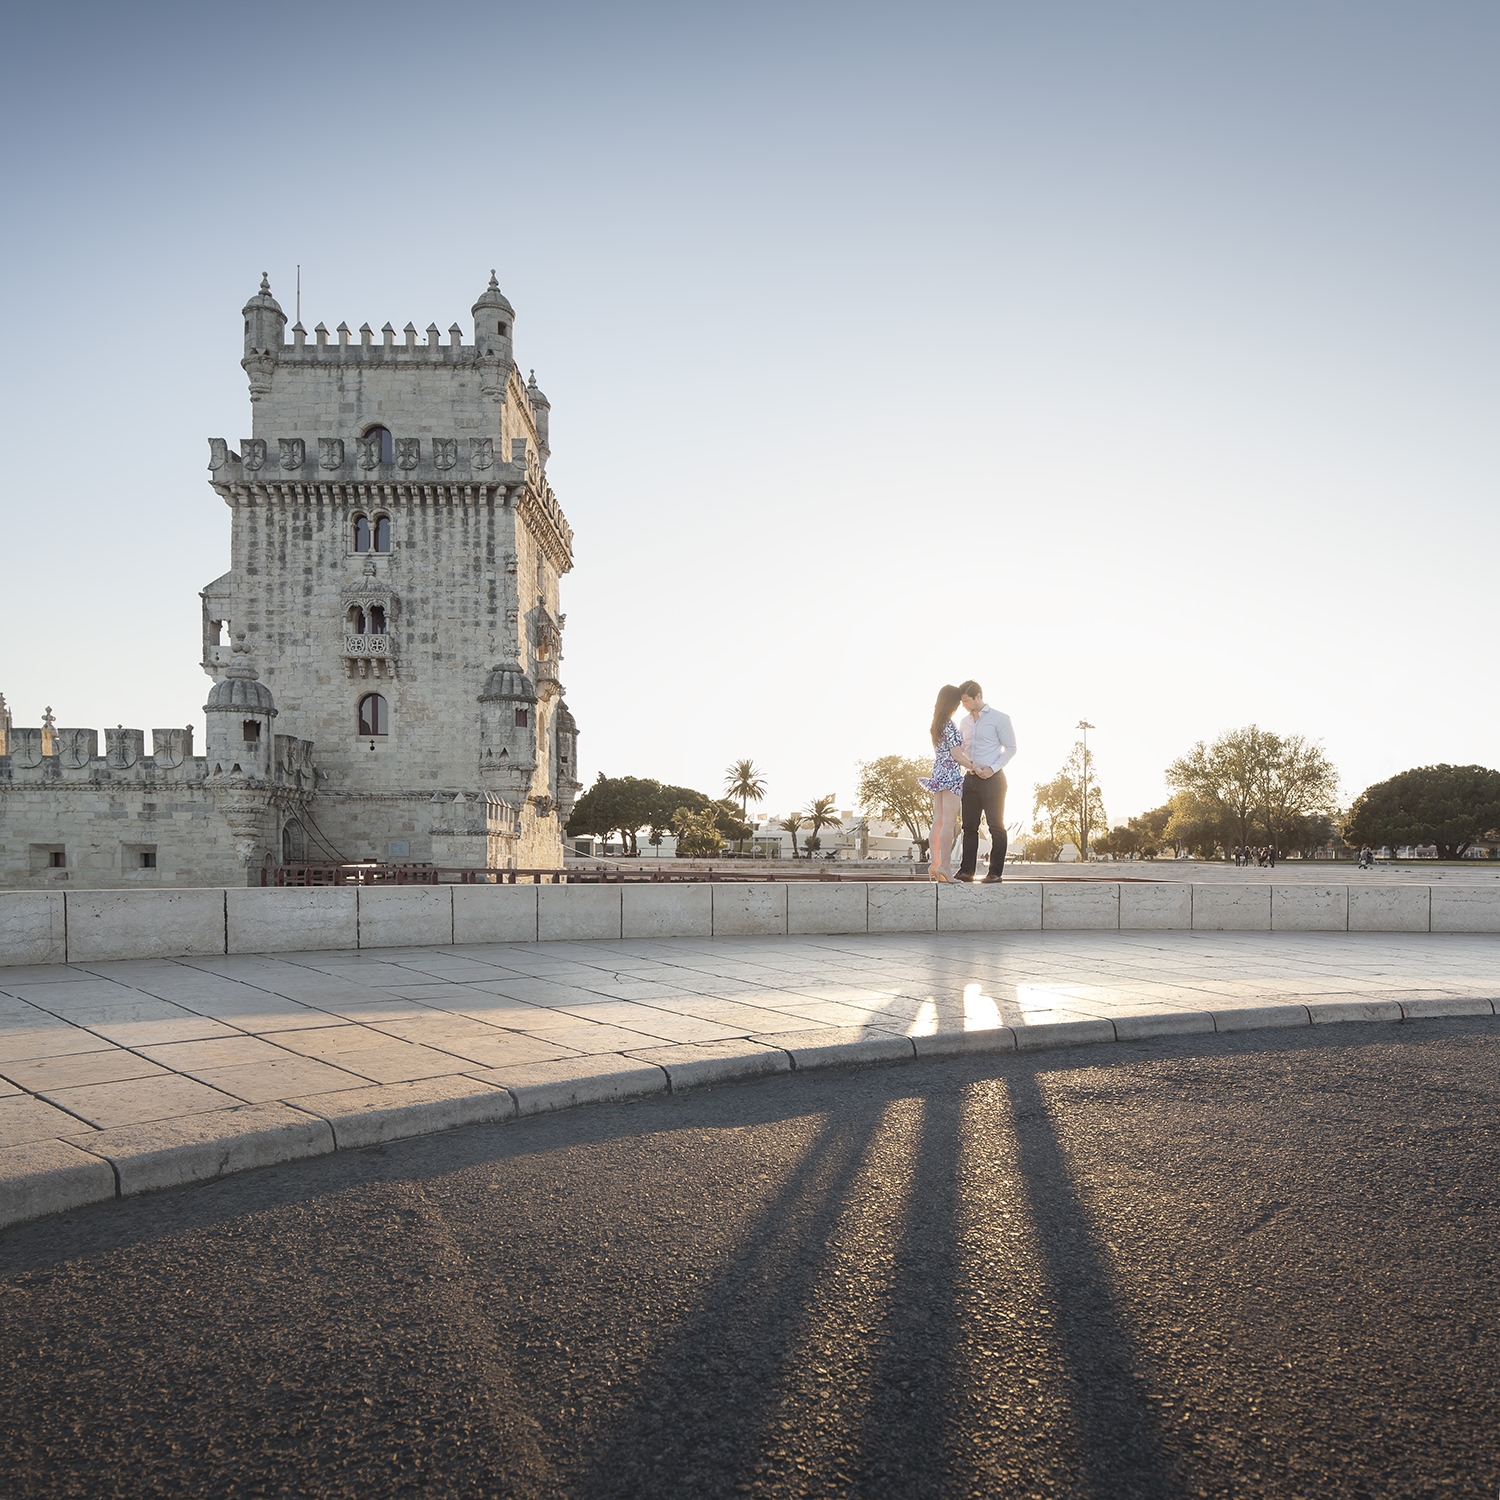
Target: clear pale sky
column 1138, row 360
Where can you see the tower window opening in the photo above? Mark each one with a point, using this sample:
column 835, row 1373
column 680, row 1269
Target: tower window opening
column 523, row 718
column 500, row 328
column 250, row 731
column 387, row 443
column 356, row 620
column 147, row 859
column 59, row 860
column 361, row 533
column 374, row 715
column 382, row 533
column 375, row 623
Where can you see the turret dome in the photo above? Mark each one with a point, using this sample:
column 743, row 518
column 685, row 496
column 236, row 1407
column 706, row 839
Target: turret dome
column 241, row 691
column 263, row 301
column 492, row 298
column 508, row 682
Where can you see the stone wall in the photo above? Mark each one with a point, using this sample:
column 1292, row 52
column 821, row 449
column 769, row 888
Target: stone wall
column 45, row 927
column 102, row 831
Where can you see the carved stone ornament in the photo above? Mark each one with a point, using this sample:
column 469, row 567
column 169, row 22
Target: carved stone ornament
column 331, row 453
column 481, row 453
column 408, row 452
column 445, row 452
column 218, row 453
column 369, row 452
column 293, row 452
column 253, row 451
column 259, row 365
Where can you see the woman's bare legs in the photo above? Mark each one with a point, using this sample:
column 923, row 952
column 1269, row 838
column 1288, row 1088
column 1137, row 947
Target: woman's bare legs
column 945, row 807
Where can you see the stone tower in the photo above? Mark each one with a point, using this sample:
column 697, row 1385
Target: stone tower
column 396, row 554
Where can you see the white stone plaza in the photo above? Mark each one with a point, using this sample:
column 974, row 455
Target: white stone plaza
column 122, row 1076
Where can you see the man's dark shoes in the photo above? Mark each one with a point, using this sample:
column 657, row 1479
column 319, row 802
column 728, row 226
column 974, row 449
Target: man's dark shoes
column 991, row 880
column 967, row 879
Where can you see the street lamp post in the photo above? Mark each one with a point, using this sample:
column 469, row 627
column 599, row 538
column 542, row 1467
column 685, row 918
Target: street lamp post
column 1085, row 726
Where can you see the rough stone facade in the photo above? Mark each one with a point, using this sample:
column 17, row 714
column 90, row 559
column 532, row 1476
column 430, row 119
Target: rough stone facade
column 392, row 600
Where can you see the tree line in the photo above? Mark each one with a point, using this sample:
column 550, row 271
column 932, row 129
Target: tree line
column 1248, row 788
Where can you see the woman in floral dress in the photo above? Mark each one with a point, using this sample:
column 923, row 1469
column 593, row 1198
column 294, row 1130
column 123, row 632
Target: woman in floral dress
column 947, row 780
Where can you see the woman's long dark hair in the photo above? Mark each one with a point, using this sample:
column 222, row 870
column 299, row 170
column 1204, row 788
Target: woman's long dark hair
column 948, row 699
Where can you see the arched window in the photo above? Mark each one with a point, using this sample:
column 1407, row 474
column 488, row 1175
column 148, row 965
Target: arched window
column 387, row 443
column 374, row 715
column 356, row 620
column 382, row 533
column 361, row 533
column 375, row 621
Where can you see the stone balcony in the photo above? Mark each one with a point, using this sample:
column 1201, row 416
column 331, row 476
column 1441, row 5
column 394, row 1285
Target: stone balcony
column 370, row 655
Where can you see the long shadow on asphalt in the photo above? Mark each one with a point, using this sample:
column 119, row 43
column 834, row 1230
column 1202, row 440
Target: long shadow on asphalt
column 748, row 1320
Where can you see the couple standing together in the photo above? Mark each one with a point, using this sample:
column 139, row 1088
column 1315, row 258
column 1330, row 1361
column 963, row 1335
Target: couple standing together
column 968, row 778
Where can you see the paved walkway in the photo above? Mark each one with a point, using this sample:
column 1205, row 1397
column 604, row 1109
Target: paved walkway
column 144, row 1061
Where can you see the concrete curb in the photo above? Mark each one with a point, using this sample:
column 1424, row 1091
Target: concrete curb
column 49, row 1177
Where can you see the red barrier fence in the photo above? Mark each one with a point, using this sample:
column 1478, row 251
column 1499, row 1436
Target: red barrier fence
column 415, row 874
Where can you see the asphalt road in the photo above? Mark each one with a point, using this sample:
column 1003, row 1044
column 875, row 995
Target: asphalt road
column 1258, row 1265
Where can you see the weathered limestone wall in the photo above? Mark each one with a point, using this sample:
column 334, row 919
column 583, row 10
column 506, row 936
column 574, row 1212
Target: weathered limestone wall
column 103, row 830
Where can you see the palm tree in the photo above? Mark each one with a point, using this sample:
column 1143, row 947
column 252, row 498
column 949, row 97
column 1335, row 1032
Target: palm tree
column 822, row 815
column 792, row 822
column 742, row 780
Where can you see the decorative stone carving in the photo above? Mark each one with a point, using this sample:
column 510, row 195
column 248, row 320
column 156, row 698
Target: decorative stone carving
column 444, row 452
column 481, row 453
column 253, row 452
column 259, row 365
column 293, row 452
column 76, row 748
column 124, row 747
column 367, row 645
column 26, row 748
column 408, row 452
column 218, row 453
column 331, row 453
column 369, row 452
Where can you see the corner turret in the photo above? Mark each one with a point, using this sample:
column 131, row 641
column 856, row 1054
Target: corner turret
column 494, row 323
column 541, row 412
column 240, row 709
column 265, row 323
column 507, row 732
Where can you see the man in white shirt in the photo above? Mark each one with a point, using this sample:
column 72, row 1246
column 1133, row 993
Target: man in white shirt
column 989, row 742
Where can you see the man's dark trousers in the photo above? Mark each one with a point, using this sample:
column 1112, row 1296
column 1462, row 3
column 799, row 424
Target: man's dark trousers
column 984, row 795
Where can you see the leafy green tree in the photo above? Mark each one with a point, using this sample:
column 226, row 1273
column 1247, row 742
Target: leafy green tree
column 1225, row 774
column 626, row 804
column 888, row 790
column 791, row 821
column 1263, row 782
column 1449, row 806
column 613, row 804
column 1198, row 825
column 1057, row 806
column 1298, row 784
column 697, row 837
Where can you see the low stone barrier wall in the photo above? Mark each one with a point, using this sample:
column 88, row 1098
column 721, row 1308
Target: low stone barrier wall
column 47, row 927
